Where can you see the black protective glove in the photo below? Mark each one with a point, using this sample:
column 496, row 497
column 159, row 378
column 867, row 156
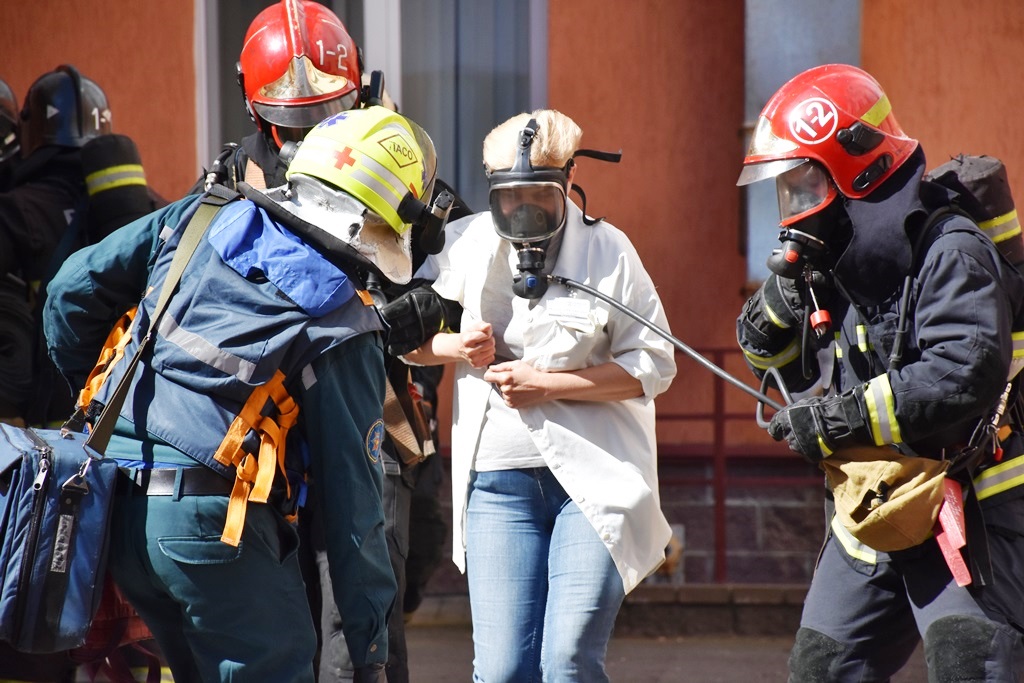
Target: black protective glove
column 369, row 673
column 414, row 317
column 772, row 317
column 816, row 427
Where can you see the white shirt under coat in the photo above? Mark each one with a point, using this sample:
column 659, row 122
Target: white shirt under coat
column 604, row 454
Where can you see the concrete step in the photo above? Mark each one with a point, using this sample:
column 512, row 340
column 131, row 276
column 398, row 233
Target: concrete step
column 654, row 611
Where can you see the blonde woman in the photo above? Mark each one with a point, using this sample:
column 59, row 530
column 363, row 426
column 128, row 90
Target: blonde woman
column 556, row 512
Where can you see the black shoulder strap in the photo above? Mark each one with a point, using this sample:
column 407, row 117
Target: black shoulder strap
column 211, row 203
column 917, row 250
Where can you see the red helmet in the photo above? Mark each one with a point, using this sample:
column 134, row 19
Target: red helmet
column 298, row 66
column 838, row 116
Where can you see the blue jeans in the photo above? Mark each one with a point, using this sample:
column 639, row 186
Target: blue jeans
column 543, row 589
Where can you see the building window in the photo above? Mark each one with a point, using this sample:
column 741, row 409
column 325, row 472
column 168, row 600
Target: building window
column 783, row 39
column 456, row 67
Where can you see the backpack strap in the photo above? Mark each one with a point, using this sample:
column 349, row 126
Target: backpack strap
column 271, row 412
column 210, row 204
column 907, row 294
column 110, row 354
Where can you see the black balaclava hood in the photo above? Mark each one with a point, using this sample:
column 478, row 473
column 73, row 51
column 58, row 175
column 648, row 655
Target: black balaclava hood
column 873, row 266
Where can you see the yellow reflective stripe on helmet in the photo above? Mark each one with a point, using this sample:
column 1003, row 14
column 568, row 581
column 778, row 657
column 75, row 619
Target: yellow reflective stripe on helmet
column 878, row 112
column 1001, row 477
column 115, row 176
column 784, row 357
column 1002, row 227
column 380, row 186
column 851, row 545
column 882, row 411
column 823, row 447
column 862, row 339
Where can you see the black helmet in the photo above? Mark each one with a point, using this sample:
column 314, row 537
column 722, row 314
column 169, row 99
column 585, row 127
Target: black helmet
column 63, row 108
column 8, row 122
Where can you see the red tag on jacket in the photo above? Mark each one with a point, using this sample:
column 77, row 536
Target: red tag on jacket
column 950, row 532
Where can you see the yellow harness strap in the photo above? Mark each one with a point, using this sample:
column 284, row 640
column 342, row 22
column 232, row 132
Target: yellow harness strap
column 254, row 477
column 110, row 354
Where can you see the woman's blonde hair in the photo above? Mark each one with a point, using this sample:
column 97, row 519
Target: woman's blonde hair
column 557, row 139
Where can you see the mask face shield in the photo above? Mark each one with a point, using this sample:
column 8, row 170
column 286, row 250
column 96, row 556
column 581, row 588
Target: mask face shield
column 802, row 191
column 343, row 219
column 303, row 96
column 528, row 204
column 525, row 212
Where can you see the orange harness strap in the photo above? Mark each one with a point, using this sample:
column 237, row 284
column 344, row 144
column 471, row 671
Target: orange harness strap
column 110, row 354
column 255, row 476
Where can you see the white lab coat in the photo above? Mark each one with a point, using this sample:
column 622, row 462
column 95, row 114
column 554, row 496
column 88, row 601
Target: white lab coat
column 604, row 454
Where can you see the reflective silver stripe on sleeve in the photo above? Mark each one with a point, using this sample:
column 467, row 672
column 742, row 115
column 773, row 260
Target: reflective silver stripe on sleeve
column 1018, row 344
column 1002, row 227
column 784, row 357
column 204, row 351
column 776, row 320
column 999, row 478
column 308, row 377
column 882, row 411
column 114, row 176
column 862, row 339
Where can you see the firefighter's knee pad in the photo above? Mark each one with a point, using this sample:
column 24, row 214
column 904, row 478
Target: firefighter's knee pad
column 813, row 657
column 963, row 648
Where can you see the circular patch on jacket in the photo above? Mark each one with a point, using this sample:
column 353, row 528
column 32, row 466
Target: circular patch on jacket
column 374, row 439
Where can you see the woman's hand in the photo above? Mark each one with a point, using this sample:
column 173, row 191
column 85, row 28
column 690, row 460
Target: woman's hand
column 522, row 385
column 476, row 345
column 519, row 383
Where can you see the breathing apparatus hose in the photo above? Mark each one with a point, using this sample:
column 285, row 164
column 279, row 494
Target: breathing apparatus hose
column 762, row 399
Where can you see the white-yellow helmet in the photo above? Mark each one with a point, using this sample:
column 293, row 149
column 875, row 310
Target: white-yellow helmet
column 362, row 177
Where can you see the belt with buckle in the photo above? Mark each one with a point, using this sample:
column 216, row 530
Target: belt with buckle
column 171, row 481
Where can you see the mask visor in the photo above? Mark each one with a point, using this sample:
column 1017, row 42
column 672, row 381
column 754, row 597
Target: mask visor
column 303, row 96
column 802, row 191
column 527, row 212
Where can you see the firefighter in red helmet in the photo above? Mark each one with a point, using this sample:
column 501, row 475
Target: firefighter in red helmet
column 298, row 66
column 891, row 318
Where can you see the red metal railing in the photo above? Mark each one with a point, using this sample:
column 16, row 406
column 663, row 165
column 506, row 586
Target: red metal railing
column 722, row 451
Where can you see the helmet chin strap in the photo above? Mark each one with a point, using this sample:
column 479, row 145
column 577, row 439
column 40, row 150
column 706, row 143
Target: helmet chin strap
column 530, row 282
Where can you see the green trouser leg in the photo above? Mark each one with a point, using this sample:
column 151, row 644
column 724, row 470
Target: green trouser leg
column 219, row 613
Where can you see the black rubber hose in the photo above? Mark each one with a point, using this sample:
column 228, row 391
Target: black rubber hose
column 760, row 396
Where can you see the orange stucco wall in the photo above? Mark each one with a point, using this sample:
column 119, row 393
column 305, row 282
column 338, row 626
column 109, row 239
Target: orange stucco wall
column 140, row 53
column 663, row 80
column 952, row 72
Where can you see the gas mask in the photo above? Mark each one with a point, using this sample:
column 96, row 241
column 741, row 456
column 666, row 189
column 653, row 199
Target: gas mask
column 813, row 222
column 528, row 208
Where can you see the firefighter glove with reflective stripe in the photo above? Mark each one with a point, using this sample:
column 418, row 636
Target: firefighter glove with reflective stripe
column 773, row 315
column 816, row 427
column 414, row 317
